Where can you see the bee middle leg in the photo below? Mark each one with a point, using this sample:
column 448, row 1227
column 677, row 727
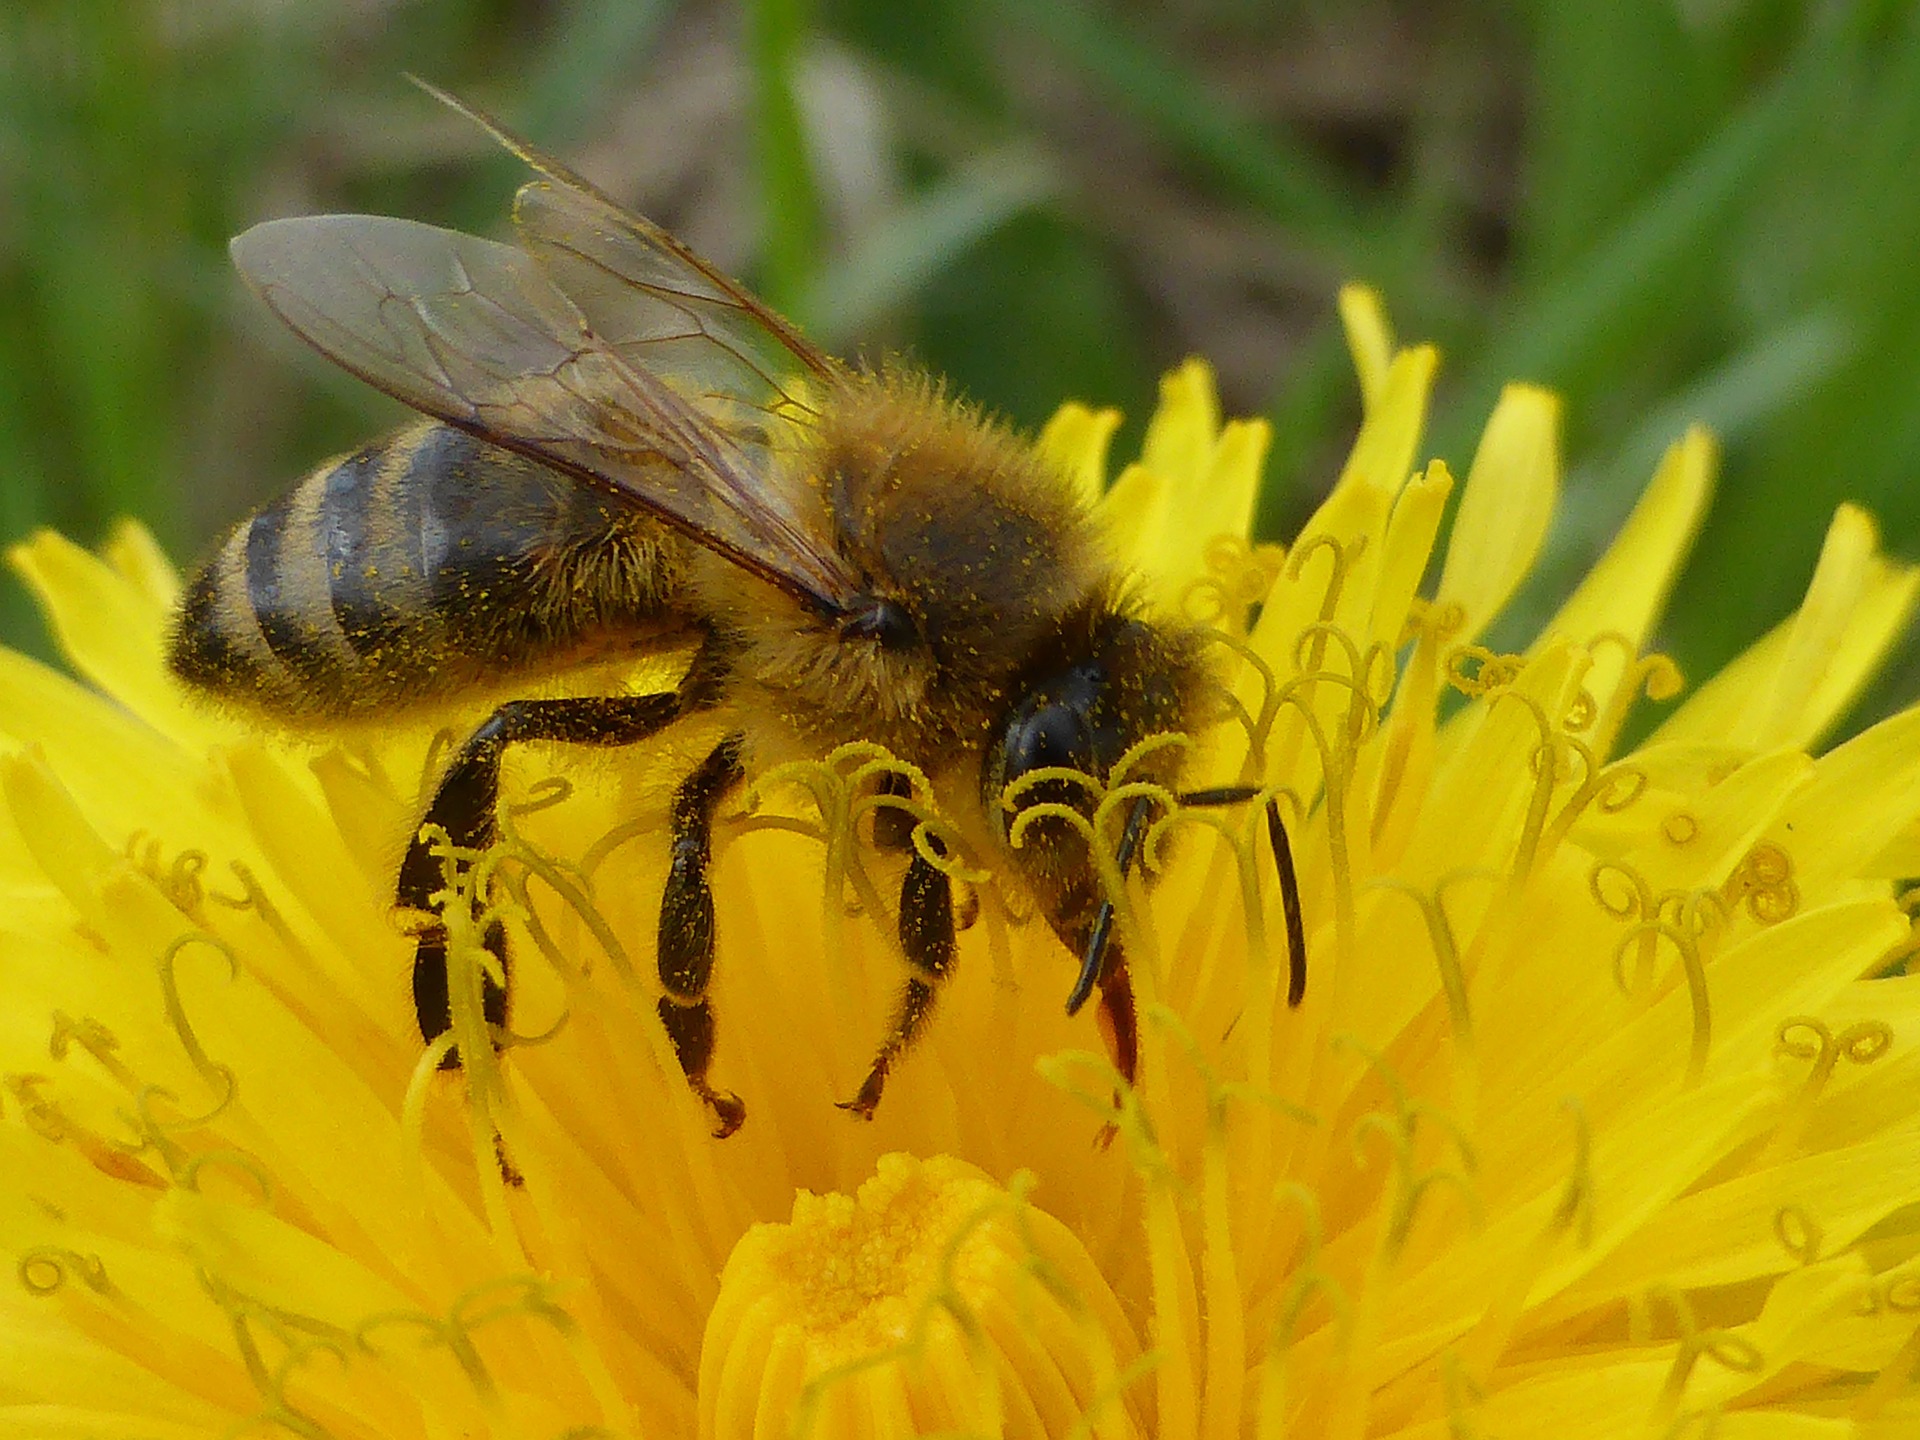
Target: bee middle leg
column 684, row 953
column 465, row 806
column 926, row 936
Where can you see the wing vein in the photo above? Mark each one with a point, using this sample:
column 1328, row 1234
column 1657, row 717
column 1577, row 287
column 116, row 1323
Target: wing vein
column 598, row 345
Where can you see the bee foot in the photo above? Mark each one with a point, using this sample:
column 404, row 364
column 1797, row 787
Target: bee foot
column 509, row 1172
column 867, row 1101
column 729, row 1111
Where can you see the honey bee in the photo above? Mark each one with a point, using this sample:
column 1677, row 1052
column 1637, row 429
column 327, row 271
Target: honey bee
column 626, row 452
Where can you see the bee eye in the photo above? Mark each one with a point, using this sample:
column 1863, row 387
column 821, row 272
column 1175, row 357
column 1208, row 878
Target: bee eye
column 884, row 620
column 1051, row 735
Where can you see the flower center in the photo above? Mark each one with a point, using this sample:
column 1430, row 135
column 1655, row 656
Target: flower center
column 932, row 1300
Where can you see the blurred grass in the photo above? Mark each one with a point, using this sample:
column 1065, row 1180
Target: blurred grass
column 777, row 32
column 1668, row 209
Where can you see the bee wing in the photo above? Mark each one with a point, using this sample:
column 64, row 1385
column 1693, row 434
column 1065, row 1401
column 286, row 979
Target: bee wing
column 659, row 304
column 652, row 298
column 665, row 309
column 476, row 333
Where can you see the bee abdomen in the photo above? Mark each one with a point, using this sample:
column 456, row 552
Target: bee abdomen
column 257, row 624
column 419, row 568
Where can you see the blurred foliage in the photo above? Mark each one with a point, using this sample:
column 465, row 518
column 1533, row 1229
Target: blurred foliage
column 1667, row 209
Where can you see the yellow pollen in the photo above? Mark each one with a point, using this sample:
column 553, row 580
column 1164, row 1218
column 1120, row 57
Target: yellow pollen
column 857, row 1265
column 931, row 1300
column 1596, row 1118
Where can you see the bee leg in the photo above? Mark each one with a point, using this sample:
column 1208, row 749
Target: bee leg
column 926, row 935
column 893, row 825
column 464, row 806
column 1117, row 1015
column 1120, row 1026
column 686, row 936
column 1282, row 848
column 1103, row 964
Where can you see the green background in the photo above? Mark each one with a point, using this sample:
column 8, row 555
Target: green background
column 1667, row 209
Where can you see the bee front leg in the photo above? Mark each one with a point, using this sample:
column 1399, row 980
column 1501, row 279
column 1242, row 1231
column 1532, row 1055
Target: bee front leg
column 1104, row 967
column 1120, row 1024
column 686, row 937
column 926, row 935
column 465, row 806
column 1118, row 1021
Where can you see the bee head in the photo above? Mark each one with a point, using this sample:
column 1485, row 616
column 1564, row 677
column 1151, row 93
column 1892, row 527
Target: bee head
column 1112, row 681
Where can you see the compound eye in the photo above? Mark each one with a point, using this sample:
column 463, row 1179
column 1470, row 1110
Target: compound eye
column 1052, row 735
column 877, row 618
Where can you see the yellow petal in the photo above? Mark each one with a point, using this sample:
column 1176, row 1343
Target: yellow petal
column 67, row 850
column 74, row 1422
column 1468, row 821
column 1076, row 439
column 1191, row 524
column 1134, row 514
column 1858, row 799
column 272, row 1261
column 1193, row 484
column 1504, row 508
column 1842, row 627
column 108, row 624
column 1181, row 435
column 71, row 724
column 1692, row 839
column 132, row 550
column 1230, row 488
column 1627, row 588
column 1729, row 1232
column 1382, row 455
column 1880, row 619
column 1369, row 339
column 1411, row 531
column 1793, row 685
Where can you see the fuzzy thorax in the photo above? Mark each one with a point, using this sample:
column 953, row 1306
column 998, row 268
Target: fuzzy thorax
column 970, row 541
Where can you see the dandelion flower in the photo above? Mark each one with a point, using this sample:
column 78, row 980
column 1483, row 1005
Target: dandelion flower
column 1600, row 1116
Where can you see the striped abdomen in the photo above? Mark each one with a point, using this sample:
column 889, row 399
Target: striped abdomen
column 423, row 567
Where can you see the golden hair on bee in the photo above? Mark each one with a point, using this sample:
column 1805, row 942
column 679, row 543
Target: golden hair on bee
column 626, row 453
column 968, row 546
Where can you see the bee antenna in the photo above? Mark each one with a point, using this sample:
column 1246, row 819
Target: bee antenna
column 1094, row 961
column 1289, row 904
column 1219, row 795
column 453, row 102
column 1283, row 865
column 523, row 150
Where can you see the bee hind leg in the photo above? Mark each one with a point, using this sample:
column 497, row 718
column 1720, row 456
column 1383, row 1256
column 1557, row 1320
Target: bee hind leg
column 464, row 806
column 686, row 937
column 926, row 935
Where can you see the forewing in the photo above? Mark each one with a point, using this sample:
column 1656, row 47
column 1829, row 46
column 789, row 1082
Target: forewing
column 662, row 307
column 475, row 333
column 658, row 303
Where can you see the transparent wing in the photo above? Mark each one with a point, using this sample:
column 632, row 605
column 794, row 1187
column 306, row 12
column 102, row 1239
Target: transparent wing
column 664, row 309
column 478, row 334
